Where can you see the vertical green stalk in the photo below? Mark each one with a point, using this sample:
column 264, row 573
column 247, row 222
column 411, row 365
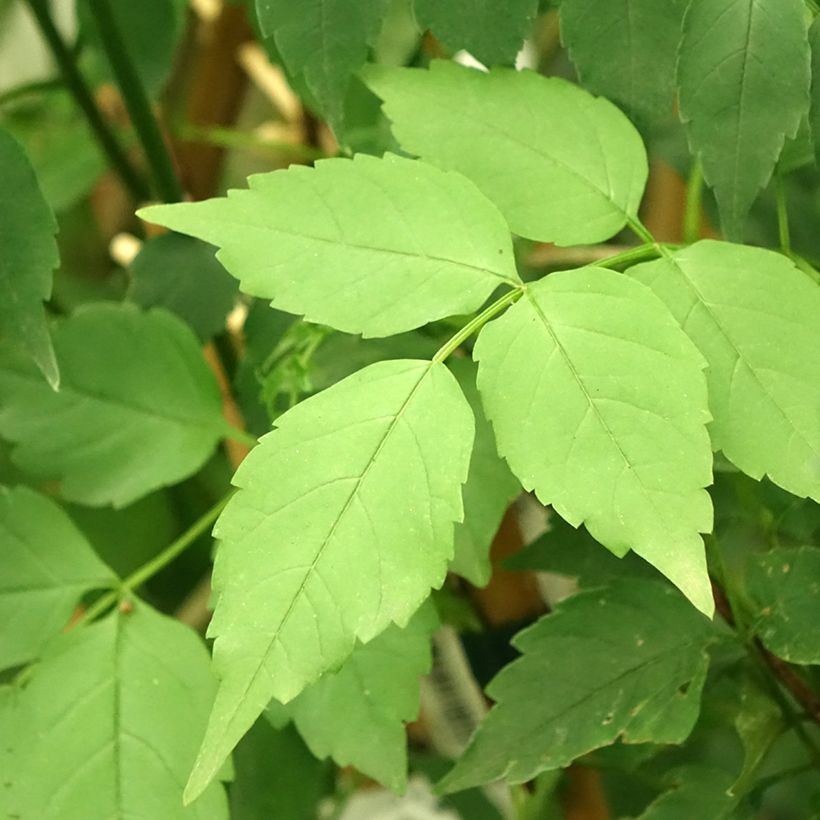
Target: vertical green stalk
column 694, row 198
column 137, row 102
column 81, row 93
column 782, row 216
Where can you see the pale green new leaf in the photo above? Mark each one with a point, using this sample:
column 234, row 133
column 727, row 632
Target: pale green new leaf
column 743, row 77
column 111, row 719
column 785, row 587
column 138, row 407
column 599, row 405
column 625, row 50
column 324, row 42
column 46, row 564
column 753, row 316
column 624, row 662
column 563, row 166
column 28, row 255
column 371, row 246
column 342, row 524
column 489, row 491
column 357, row 714
column 492, row 32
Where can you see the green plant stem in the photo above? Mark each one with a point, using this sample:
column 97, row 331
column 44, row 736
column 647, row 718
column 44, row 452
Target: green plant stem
column 29, row 89
column 694, row 204
column 75, row 83
column 782, row 217
column 246, row 140
column 640, row 230
column 158, row 562
column 137, row 102
column 814, row 6
column 242, row 436
column 640, row 253
column 477, row 323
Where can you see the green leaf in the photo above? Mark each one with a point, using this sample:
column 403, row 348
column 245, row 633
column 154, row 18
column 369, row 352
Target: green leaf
column 563, row 166
column 46, row 564
column 758, row 722
column 357, row 714
column 743, row 76
column 627, row 662
column 112, row 716
column 753, row 316
column 342, row 523
column 181, row 275
column 489, row 491
column 626, row 50
column 599, row 405
column 492, row 32
column 814, row 108
column 371, row 246
column 565, row 550
column 27, row 228
column 785, row 586
column 138, row 407
column 276, row 776
column 695, row 791
column 9, row 734
column 150, row 29
column 324, row 42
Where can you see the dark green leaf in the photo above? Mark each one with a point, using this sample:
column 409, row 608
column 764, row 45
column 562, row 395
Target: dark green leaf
column 624, row 662
column 28, row 257
column 138, row 407
column 785, row 586
column 626, row 50
column 181, row 275
column 492, row 32
column 46, row 564
column 743, row 74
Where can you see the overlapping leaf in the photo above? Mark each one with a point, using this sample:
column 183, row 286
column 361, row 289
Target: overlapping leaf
column 46, row 564
column 624, row 662
column 357, row 714
column 489, row 490
column 372, row 246
column 138, row 407
column 343, row 522
column 753, row 316
column 696, row 791
column 563, row 166
column 323, row 42
column 743, row 75
column 29, row 255
column 599, row 405
column 110, row 723
column 785, row 587
column 626, row 51
column 492, row 32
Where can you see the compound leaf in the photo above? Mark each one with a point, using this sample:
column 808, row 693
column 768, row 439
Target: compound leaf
column 46, row 564
column 357, row 714
column 323, row 42
column 627, row 661
column 115, row 711
column 27, row 228
column 371, row 246
column 753, row 316
column 563, row 166
column 785, row 586
column 743, row 77
column 626, row 50
column 492, row 32
column 599, row 405
column 342, row 523
column 489, row 490
column 138, row 407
